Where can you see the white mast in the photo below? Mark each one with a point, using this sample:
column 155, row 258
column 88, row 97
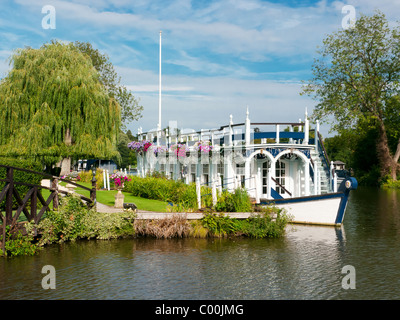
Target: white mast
column 159, row 98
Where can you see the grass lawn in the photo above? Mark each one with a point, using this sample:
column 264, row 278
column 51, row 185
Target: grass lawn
column 107, row 197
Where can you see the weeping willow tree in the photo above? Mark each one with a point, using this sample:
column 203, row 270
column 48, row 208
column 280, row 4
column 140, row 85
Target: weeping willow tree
column 53, row 106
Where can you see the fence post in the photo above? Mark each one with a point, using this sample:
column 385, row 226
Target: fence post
column 93, row 191
column 257, row 189
column 9, row 196
column 8, row 214
column 335, row 182
column 34, row 204
column 198, row 192
column 331, row 176
column 214, row 192
column 108, row 180
column 54, row 185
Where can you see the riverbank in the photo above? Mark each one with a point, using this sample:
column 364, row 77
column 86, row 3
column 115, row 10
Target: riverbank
column 74, row 220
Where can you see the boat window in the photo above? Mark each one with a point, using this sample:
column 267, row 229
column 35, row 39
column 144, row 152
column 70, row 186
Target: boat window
column 280, row 172
column 265, row 167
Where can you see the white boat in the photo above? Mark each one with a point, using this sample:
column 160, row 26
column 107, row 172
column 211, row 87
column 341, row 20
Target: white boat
column 287, row 166
column 323, row 209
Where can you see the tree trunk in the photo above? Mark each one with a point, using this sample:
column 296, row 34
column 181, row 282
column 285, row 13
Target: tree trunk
column 66, row 162
column 395, row 164
column 386, row 161
column 65, row 166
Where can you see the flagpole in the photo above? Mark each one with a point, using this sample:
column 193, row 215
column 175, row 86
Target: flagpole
column 159, row 97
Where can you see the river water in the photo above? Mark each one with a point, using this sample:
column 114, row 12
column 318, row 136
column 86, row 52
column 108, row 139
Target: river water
column 309, row 262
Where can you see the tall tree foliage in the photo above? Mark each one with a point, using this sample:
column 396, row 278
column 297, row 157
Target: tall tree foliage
column 355, row 80
column 357, row 148
column 53, row 104
column 130, row 108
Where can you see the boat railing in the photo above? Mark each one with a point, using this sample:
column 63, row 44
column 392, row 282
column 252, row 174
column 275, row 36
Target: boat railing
column 281, row 186
column 323, row 154
column 221, row 136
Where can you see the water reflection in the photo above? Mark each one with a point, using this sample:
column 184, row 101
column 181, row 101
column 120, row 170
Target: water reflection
column 305, row 264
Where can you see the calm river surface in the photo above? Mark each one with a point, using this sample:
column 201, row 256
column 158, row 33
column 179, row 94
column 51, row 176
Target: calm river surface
column 305, row 264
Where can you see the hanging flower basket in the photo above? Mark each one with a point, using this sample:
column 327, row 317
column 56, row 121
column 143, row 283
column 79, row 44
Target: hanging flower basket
column 140, row 146
column 203, row 147
column 180, row 150
column 160, row 150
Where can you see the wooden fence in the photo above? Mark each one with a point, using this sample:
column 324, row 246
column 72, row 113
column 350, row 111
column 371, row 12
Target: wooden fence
column 15, row 204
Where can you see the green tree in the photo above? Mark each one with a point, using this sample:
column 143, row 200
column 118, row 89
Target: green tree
column 128, row 156
column 355, row 79
column 53, row 105
column 130, row 108
column 357, row 148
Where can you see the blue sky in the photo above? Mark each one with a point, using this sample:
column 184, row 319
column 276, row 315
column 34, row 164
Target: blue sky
column 218, row 57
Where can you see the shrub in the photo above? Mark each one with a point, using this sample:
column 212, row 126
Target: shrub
column 220, row 225
column 271, row 222
column 182, row 196
column 73, row 220
column 237, row 201
column 391, row 184
column 388, row 183
column 105, row 226
column 17, row 244
column 65, row 223
column 198, row 230
column 87, row 176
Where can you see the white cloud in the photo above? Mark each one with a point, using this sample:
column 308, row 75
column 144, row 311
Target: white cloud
column 229, row 53
column 252, row 30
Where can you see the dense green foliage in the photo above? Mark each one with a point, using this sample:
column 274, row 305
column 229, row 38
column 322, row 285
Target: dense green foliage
column 73, row 220
column 181, row 195
column 267, row 224
column 127, row 156
column 391, row 184
column 130, row 108
column 357, row 149
column 236, row 201
column 18, row 244
column 356, row 83
column 53, row 105
column 87, row 176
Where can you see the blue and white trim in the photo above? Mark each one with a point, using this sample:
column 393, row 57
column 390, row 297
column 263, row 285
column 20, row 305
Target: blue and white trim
column 324, row 209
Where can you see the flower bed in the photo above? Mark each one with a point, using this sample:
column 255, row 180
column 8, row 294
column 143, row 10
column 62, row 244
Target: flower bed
column 119, row 180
